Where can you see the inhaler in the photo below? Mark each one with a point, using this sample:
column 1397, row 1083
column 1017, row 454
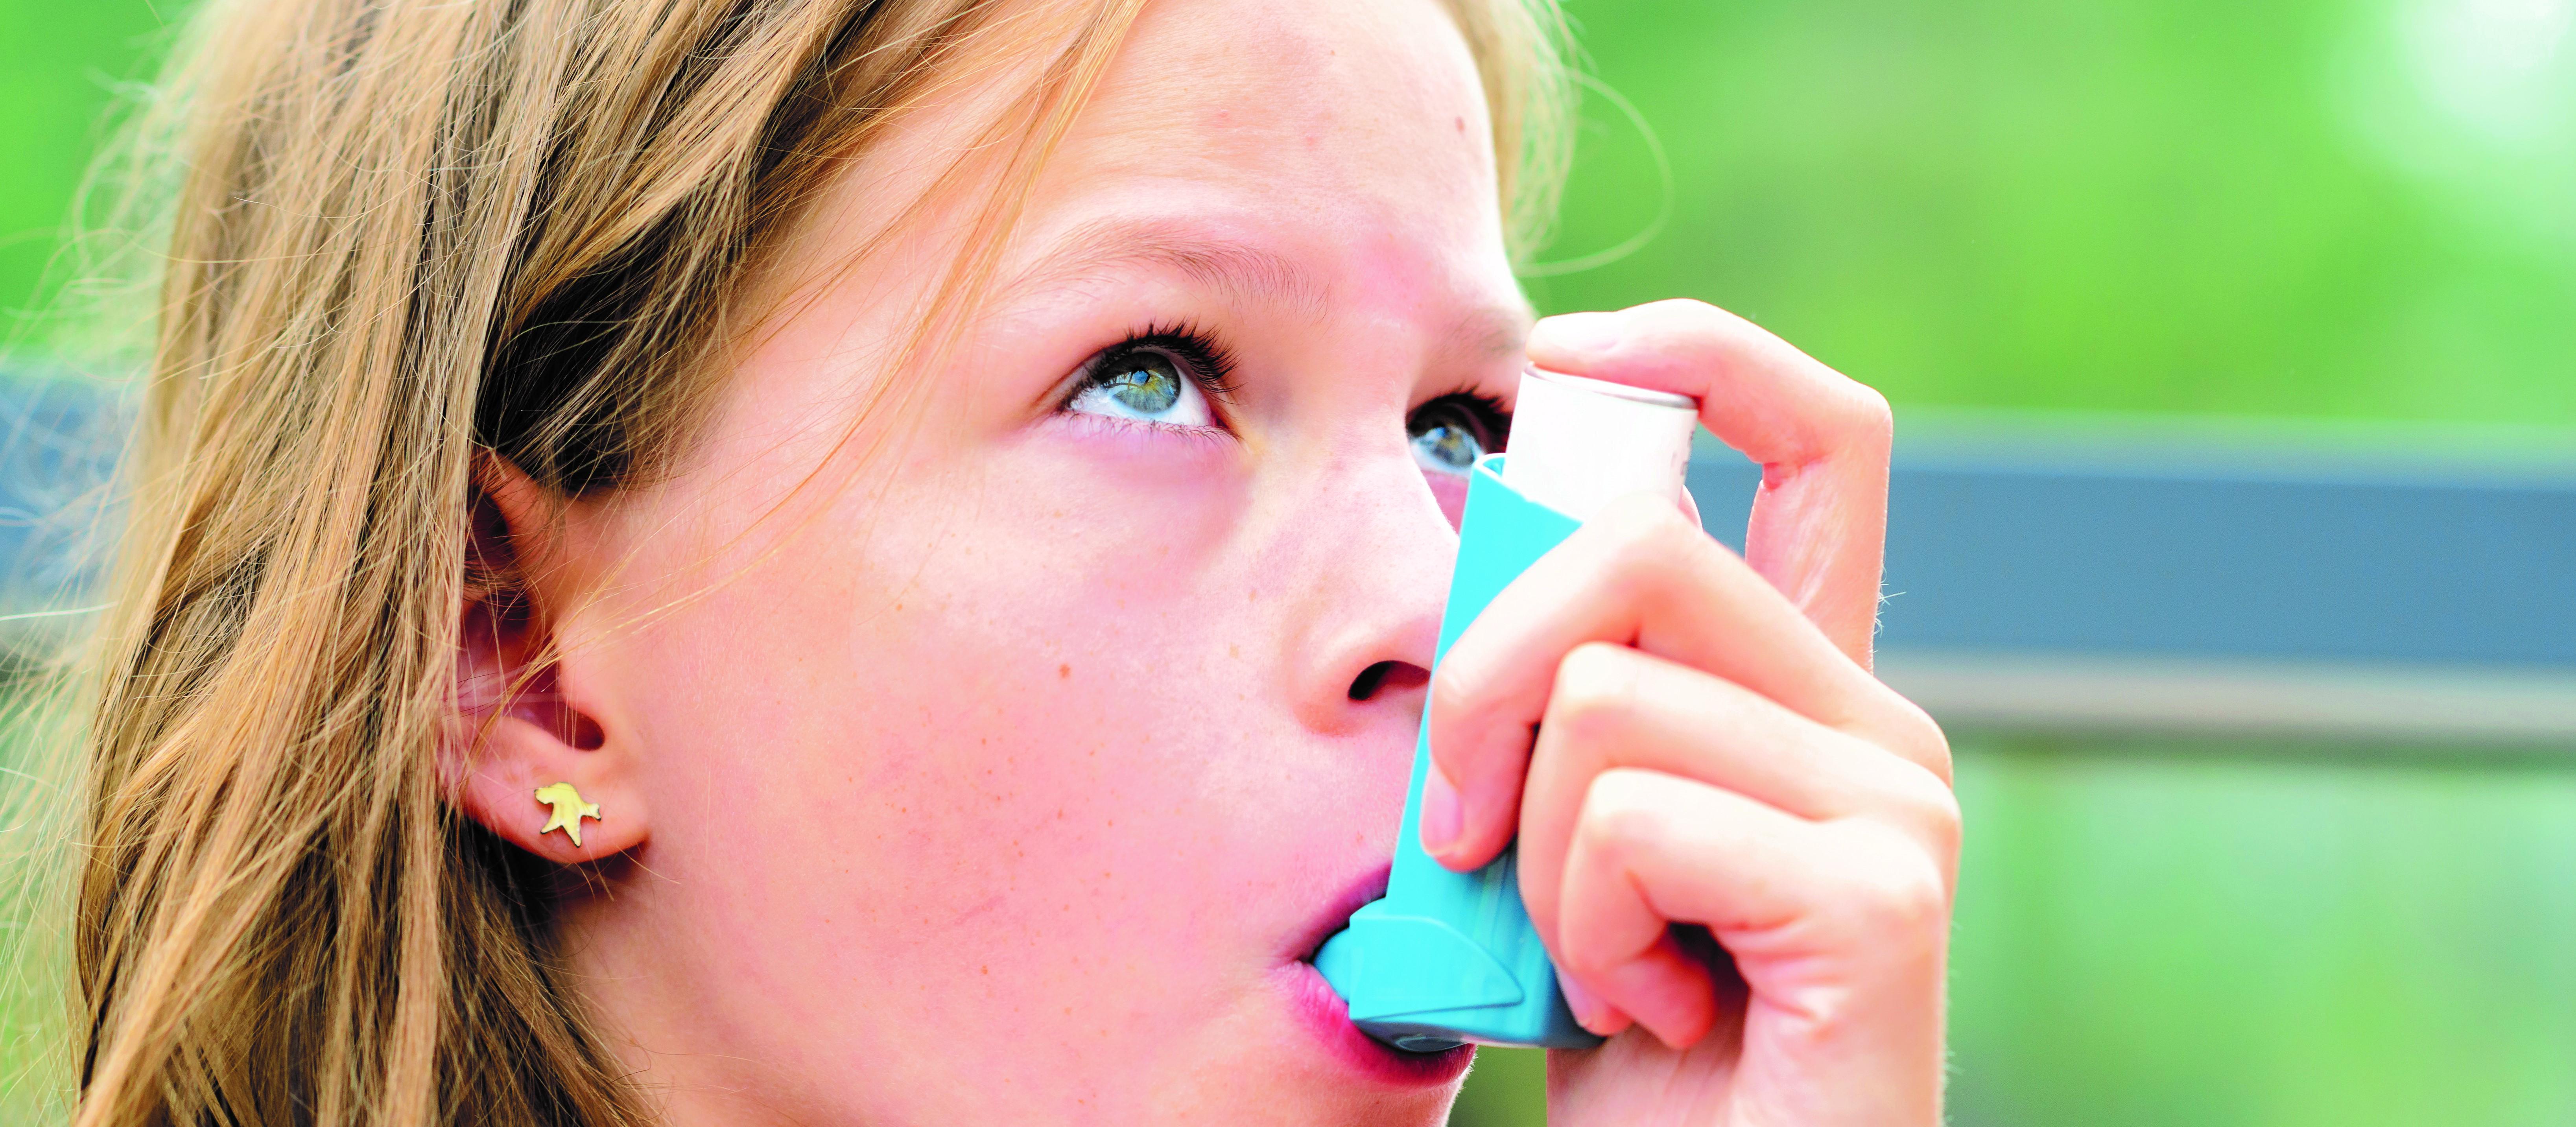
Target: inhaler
column 1447, row 958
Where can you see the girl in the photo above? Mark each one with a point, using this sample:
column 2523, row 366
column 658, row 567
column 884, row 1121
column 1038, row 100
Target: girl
column 874, row 561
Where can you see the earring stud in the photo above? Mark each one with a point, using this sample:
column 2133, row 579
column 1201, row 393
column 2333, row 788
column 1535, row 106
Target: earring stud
column 569, row 810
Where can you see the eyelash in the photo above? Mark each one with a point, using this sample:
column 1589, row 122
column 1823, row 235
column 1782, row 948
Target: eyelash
column 1209, row 361
column 1487, row 409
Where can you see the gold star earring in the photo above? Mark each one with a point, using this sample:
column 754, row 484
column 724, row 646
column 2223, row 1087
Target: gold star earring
column 569, row 810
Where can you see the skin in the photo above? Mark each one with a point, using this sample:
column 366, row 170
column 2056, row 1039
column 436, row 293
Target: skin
column 970, row 760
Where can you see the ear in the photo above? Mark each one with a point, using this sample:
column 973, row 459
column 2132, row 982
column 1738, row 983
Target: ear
column 522, row 721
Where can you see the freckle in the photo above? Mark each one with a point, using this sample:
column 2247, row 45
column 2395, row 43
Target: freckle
column 1063, row 671
column 1234, row 651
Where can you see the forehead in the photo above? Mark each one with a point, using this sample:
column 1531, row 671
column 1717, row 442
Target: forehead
column 1356, row 95
column 1347, row 138
column 1362, row 122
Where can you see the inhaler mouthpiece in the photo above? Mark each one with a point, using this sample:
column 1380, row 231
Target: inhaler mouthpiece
column 1578, row 444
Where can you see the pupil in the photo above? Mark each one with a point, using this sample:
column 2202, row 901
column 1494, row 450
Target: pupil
column 1148, row 385
column 1446, row 445
column 1452, row 446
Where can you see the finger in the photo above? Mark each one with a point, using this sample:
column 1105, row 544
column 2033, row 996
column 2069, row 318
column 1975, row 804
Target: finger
column 1593, row 1014
column 1615, row 707
column 1820, row 520
column 1636, row 575
column 1811, row 911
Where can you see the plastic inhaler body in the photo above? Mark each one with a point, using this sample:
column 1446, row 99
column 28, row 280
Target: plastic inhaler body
column 1447, row 957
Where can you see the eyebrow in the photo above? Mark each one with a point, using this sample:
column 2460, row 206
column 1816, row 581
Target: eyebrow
column 1240, row 270
column 1250, row 274
column 1488, row 331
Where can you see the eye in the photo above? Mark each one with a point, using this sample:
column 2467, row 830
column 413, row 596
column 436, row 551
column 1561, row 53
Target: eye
column 1451, row 432
column 1162, row 377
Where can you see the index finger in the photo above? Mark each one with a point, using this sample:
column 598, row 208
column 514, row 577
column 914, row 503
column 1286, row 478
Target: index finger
column 1634, row 576
column 1819, row 522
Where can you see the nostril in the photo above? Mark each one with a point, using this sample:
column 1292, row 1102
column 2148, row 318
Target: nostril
column 1398, row 675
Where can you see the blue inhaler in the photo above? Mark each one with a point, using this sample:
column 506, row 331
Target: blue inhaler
column 1446, row 958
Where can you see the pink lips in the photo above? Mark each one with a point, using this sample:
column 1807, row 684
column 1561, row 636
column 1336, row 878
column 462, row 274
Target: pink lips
column 1336, row 914
column 1324, row 1012
column 1321, row 1010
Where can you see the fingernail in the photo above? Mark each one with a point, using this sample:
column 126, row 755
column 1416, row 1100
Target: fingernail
column 1583, row 335
column 1442, row 815
column 1587, row 1009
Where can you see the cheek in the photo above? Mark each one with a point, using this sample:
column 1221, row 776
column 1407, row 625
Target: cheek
column 1040, row 751
column 1054, row 702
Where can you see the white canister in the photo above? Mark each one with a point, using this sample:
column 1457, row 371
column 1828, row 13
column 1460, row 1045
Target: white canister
column 1578, row 444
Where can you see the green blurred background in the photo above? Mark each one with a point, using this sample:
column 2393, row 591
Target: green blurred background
column 2359, row 209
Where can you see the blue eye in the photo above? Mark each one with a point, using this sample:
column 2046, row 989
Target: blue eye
column 1450, row 433
column 1147, row 383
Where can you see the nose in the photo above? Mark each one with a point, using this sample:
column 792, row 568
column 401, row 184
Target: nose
column 1374, row 552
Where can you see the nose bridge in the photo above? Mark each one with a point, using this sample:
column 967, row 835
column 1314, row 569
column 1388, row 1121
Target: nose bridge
column 1362, row 570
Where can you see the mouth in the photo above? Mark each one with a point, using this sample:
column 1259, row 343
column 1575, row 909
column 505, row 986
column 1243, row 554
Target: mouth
column 1323, row 1012
column 1335, row 914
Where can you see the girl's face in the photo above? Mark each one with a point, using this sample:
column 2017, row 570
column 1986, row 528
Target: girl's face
column 1010, row 769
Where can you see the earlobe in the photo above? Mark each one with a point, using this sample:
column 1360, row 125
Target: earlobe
column 539, row 793
column 569, row 810
column 524, row 754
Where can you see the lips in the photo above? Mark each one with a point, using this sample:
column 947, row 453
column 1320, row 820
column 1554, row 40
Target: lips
column 1336, row 914
column 1328, row 1018
column 1323, row 1012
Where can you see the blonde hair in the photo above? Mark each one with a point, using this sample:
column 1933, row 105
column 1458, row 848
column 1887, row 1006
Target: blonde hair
column 409, row 231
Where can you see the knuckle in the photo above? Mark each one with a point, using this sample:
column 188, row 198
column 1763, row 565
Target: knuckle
column 1458, row 696
column 1931, row 809
column 1683, row 314
column 1923, row 736
column 1648, row 539
column 1901, row 728
column 1896, row 890
column 1594, row 695
column 1581, row 952
column 1454, row 690
column 1869, row 409
column 1620, row 814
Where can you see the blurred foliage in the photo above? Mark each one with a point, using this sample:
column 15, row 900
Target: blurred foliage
column 2354, row 208
column 2156, row 934
column 60, row 66
column 2300, row 207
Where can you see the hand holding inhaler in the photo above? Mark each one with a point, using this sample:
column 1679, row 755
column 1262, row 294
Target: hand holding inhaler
column 1676, row 751
column 1449, row 957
